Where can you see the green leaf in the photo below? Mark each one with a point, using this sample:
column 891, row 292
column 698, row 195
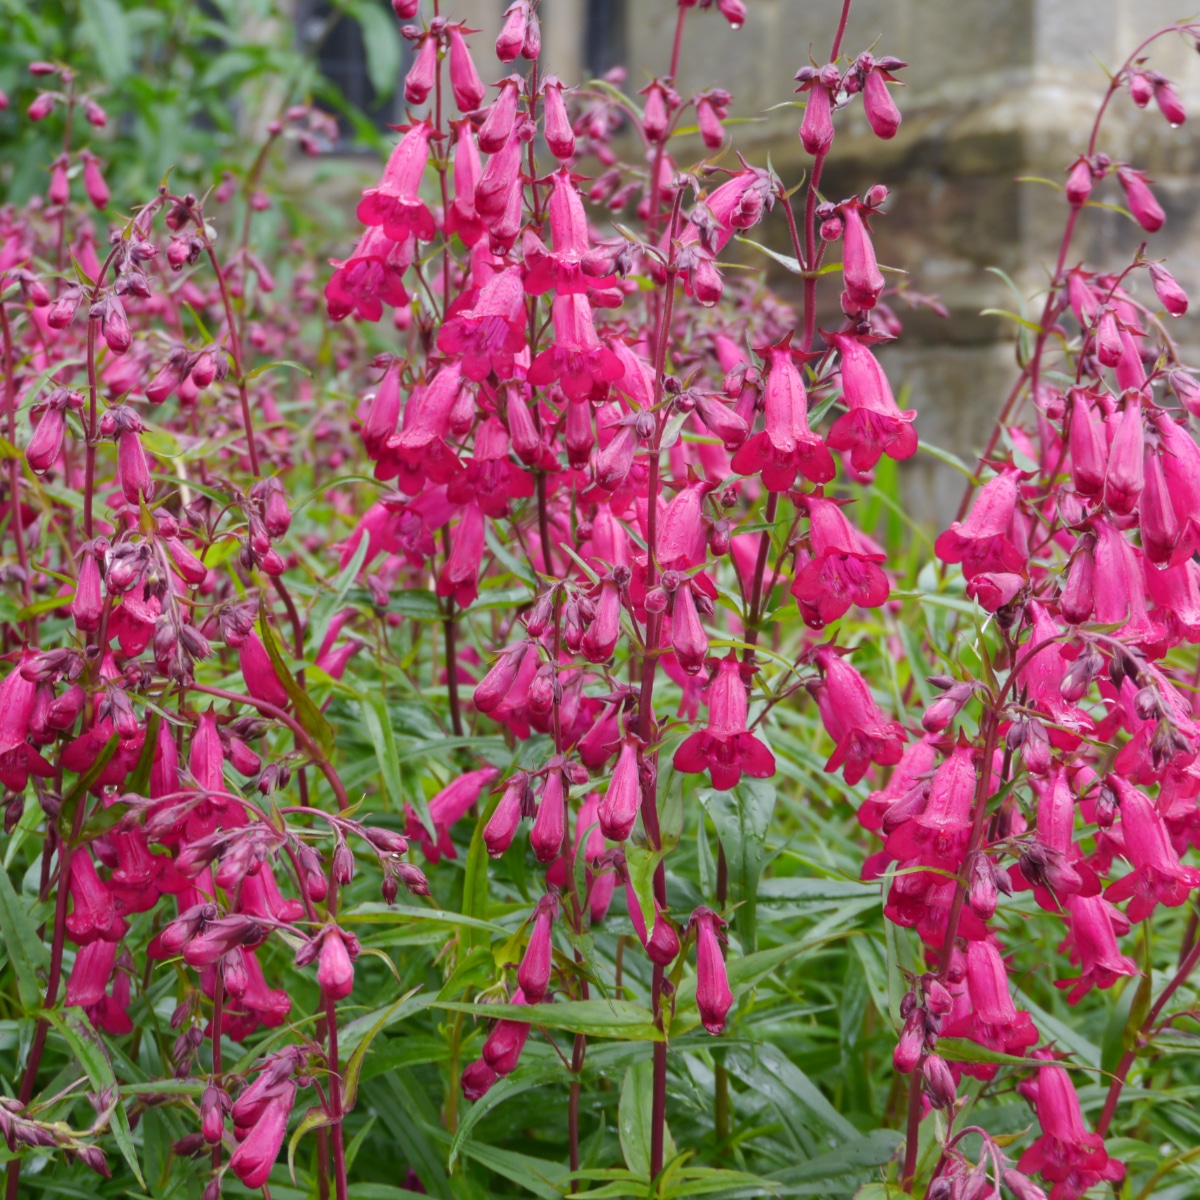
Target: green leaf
column 475, row 878
column 634, row 1119
column 417, row 606
column 770, row 1072
column 742, row 818
column 964, row 1050
column 641, row 863
column 311, row 719
column 104, row 28
column 25, row 949
column 1138, row 1011
column 353, row 1071
column 619, row 1019
column 139, row 781
column 283, row 362
column 382, row 45
column 326, row 608
column 87, row 1047
column 784, row 260
column 315, row 1118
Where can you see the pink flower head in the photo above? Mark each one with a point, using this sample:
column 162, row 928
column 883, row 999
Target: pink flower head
column 662, row 945
column 1094, row 925
column 512, row 33
column 93, row 180
column 984, row 541
column 816, row 130
column 725, row 748
column 938, row 834
column 882, row 114
column 460, row 573
column 874, row 425
column 501, row 114
column 1170, row 295
column 562, row 270
column 688, row 637
column 1066, row 1154
column 1124, row 480
column 618, row 810
column 370, row 278
column 860, row 271
column 534, row 972
column 995, row 1021
column 1141, row 200
column 852, row 718
column 422, row 75
column 1118, row 588
column 396, row 204
column 681, row 534
column 253, row 1159
column 17, row 697
column 1157, row 876
column 550, row 823
column 506, row 817
column 786, row 446
column 841, row 572
column 93, row 911
column 713, row 997
column 335, row 968
column 88, row 982
column 446, row 809
column 461, row 218
column 560, row 138
column 502, row 1049
column 1089, row 446
column 488, row 335
column 577, row 359
column 464, row 78
column 261, row 680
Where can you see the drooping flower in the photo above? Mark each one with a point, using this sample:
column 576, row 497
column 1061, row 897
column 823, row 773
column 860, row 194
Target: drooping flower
column 713, row 997
column 985, row 541
column 395, row 202
column 874, row 425
column 841, row 571
column 725, row 748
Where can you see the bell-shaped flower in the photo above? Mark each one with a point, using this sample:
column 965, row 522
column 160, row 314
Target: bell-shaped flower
column 874, row 425
column 852, row 718
column 786, row 446
column 577, row 360
column 370, row 278
column 446, row 809
column 840, row 572
column 252, row 1161
column 395, row 203
column 618, row 809
column 1065, row 1154
column 725, row 748
column 550, row 824
column 534, row 972
column 464, row 78
column 938, row 834
column 460, row 573
column 713, row 997
column 860, row 271
column 984, row 541
column 1094, row 924
column 503, row 1046
column 1141, row 200
column 488, row 335
column 1124, row 479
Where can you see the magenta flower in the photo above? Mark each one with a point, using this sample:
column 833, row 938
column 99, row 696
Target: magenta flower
column 395, row 203
column 1141, row 200
column 487, row 335
column 786, row 446
column 985, row 541
column 502, row 825
column 618, row 810
column 550, row 823
column 1065, row 1154
column 534, row 972
column 841, row 572
column 370, row 278
column 577, row 359
column 503, row 1046
column 1157, row 876
column 335, row 968
column 461, row 217
column 874, row 425
column 852, row 718
column 860, row 272
column 446, row 809
column 938, row 833
column 713, row 997
column 464, row 78
column 725, row 748
column 253, row 1159
column 662, row 945
column 1094, row 923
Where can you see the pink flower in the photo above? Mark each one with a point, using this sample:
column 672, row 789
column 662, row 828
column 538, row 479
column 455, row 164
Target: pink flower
column 882, row 113
column 395, row 203
column 725, row 749
column 786, row 446
column 1124, row 479
column 422, row 75
column 577, row 359
column 562, row 271
column 253, row 1159
column 502, row 825
column 93, row 180
column 995, row 1021
column 1141, row 200
column 852, row 718
column 534, row 972
column 841, row 572
column 464, row 78
column 503, row 1046
column 446, row 809
column 88, row 983
column 488, row 335
column 874, row 425
column 560, row 139
column 1066, row 1154
column 984, row 541
column 1094, row 923
column 550, row 824
column 370, row 278
column 816, row 130
column 860, row 272
column 938, row 834
column 461, row 218
column 93, row 911
column 460, row 573
column 662, row 945
column 512, row 34
column 261, row 680
column 713, row 997
column 618, row 810
column 1157, row 876
column 335, row 970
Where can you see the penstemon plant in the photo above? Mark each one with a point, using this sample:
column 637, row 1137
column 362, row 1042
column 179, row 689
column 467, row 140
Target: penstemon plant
column 271, row 649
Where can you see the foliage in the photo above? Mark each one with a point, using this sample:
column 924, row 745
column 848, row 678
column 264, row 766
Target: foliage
column 297, row 638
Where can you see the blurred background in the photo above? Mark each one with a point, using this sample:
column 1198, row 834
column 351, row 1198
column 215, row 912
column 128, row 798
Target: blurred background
column 997, row 91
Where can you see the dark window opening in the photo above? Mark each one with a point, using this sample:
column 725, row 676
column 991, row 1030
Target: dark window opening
column 336, row 41
column 604, row 44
